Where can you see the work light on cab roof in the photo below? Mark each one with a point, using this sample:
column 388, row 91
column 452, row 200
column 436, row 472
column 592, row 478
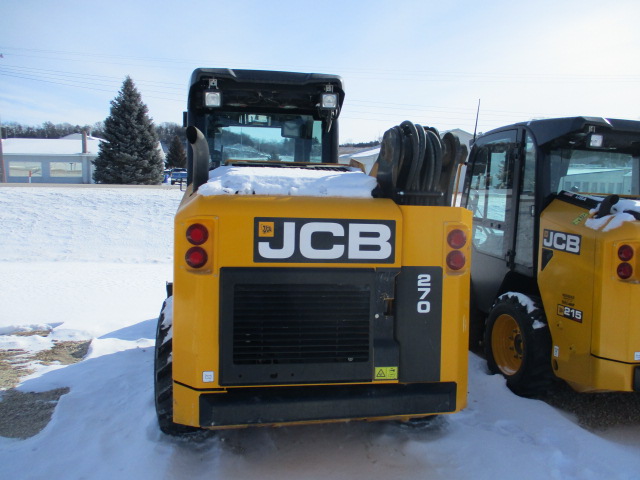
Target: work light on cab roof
column 329, row 101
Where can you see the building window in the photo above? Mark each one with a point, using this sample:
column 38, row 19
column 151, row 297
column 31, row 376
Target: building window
column 25, row 169
column 66, row 169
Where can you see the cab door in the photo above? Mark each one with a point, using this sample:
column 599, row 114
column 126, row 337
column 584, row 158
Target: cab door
column 489, row 194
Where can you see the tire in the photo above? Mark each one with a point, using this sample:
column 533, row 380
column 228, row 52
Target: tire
column 517, row 344
column 163, row 378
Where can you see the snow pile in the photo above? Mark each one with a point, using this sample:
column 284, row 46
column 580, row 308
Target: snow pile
column 617, row 217
column 232, row 180
column 88, row 224
column 105, row 427
column 81, row 262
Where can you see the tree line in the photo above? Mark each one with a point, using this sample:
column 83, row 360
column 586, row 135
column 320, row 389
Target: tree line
column 374, row 143
column 49, row 130
column 165, row 131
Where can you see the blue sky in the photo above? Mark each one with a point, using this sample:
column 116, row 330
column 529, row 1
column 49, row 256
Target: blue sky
column 425, row 61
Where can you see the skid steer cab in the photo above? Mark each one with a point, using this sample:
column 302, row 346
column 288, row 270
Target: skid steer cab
column 307, row 291
column 556, row 252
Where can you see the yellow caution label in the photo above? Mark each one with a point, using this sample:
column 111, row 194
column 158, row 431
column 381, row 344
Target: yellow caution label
column 579, row 218
column 386, row 373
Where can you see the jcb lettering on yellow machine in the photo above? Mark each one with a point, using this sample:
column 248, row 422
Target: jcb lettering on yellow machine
column 304, row 290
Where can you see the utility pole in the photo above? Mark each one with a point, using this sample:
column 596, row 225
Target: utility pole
column 3, row 173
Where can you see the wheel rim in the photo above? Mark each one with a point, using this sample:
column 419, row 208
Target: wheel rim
column 507, row 345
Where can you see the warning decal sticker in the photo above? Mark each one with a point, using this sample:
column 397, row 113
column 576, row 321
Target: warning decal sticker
column 386, row 373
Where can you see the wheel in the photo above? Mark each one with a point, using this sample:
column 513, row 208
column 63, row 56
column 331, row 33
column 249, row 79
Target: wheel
column 517, row 344
column 163, row 375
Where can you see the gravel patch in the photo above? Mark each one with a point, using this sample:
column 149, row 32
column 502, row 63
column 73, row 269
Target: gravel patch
column 24, row 414
column 13, row 366
column 596, row 411
column 65, row 353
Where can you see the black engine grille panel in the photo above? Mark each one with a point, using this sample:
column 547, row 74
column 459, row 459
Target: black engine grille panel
column 300, row 324
column 295, row 325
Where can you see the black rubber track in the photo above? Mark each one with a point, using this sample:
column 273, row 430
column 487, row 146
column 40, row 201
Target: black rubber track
column 163, row 381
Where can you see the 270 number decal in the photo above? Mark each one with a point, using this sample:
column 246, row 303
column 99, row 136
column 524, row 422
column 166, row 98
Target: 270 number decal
column 424, row 288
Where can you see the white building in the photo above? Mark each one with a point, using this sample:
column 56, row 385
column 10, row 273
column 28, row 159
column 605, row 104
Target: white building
column 366, row 158
column 37, row 160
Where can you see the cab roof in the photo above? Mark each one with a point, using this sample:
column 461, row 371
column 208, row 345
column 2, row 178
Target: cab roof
column 547, row 130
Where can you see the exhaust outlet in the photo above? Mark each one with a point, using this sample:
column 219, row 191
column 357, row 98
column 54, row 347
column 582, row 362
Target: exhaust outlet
column 200, row 173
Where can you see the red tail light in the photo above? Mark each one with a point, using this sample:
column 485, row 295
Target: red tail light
column 456, row 260
column 457, row 238
column 625, row 252
column 625, row 270
column 196, row 257
column 197, row 234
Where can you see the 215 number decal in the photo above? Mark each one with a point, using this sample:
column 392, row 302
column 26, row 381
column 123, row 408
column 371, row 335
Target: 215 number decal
column 570, row 313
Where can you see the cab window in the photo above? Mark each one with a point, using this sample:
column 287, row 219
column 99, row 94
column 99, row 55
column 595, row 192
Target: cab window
column 490, row 190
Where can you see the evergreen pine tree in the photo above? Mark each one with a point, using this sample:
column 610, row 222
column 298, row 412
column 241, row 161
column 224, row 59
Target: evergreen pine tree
column 176, row 156
column 130, row 153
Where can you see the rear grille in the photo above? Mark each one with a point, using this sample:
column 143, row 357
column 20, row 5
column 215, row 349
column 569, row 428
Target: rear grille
column 309, row 323
column 296, row 325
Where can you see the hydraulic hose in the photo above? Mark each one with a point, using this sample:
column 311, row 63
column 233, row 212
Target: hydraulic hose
column 415, row 165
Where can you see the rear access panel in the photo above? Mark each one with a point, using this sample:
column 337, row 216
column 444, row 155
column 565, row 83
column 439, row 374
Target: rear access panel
column 296, row 325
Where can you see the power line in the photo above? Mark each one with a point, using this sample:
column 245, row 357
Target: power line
column 423, row 75
column 83, row 75
column 83, row 85
column 78, row 80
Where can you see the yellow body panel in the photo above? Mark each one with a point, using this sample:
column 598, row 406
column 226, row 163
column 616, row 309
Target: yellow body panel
column 455, row 290
column 420, row 240
column 593, row 316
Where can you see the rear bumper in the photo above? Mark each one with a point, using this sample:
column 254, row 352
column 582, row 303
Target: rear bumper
column 284, row 405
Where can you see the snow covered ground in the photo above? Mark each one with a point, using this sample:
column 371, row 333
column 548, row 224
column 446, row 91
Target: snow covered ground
column 92, row 263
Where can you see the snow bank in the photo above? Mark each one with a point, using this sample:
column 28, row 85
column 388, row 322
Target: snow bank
column 230, row 180
column 85, row 224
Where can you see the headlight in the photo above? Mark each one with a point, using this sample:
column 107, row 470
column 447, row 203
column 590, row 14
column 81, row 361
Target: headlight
column 329, row 101
column 595, row 140
column 212, row 99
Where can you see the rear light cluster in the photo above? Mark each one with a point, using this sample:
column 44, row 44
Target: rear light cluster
column 196, row 257
column 625, row 255
column 457, row 240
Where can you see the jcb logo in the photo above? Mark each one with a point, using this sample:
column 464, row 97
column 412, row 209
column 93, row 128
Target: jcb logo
column 265, row 229
column 564, row 242
column 304, row 240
